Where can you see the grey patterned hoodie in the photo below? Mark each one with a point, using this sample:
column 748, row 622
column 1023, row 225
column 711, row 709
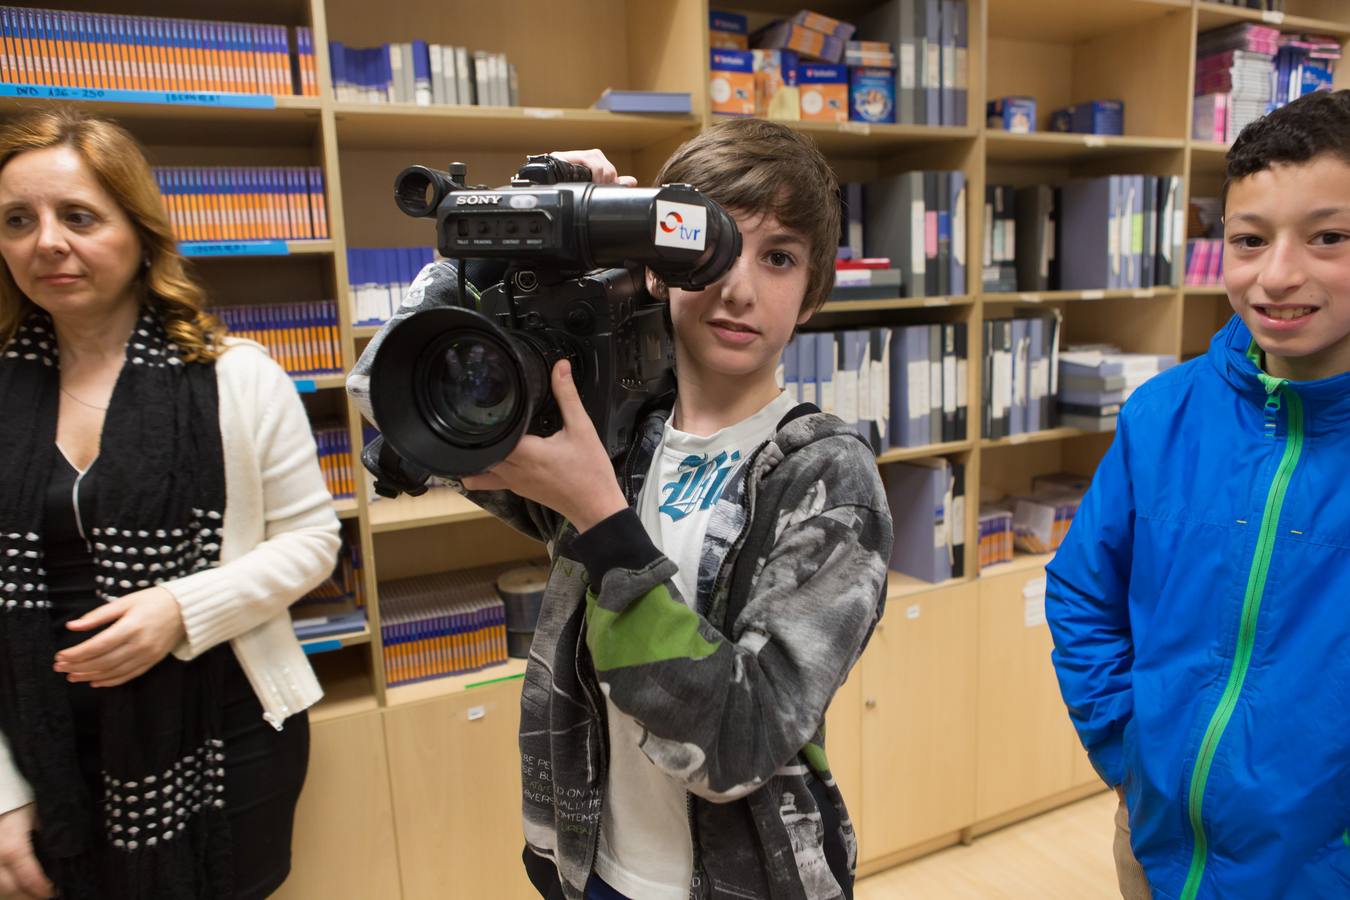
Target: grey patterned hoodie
column 731, row 686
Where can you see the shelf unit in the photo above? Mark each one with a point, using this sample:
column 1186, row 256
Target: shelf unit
column 1060, row 51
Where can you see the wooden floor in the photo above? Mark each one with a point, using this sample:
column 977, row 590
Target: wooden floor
column 1061, row 855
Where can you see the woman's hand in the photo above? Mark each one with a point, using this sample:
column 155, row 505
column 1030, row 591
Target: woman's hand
column 569, row 472
column 20, row 874
column 602, row 170
column 142, row 628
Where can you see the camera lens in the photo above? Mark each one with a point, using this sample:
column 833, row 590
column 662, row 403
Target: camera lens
column 472, row 387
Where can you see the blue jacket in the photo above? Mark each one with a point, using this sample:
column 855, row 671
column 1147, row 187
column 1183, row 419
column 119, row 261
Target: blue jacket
column 1200, row 608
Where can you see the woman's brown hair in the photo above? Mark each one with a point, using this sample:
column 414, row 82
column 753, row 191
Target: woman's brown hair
column 119, row 163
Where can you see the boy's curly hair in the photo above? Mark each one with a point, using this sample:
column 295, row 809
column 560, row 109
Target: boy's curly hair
column 1313, row 124
column 753, row 166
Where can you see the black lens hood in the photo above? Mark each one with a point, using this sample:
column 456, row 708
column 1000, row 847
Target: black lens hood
column 397, row 399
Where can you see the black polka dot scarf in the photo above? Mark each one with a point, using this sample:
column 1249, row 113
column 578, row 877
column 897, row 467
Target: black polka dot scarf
column 156, row 827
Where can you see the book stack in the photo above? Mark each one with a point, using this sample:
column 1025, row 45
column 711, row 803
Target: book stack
column 443, row 624
column 378, row 277
column 1019, row 374
column 207, row 203
column 852, row 224
column 931, row 47
column 996, row 535
column 929, row 399
column 1095, row 382
column 1124, row 232
column 336, row 607
column 865, row 278
column 871, row 81
column 1263, row 5
column 302, row 337
column 810, row 35
column 145, row 53
column 672, row 102
column 1304, row 63
column 927, row 237
column 928, row 500
column 1042, row 519
column 1233, row 79
column 1204, row 262
column 1000, row 271
column 306, row 69
column 423, row 74
column 899, row 387
column 335, row 459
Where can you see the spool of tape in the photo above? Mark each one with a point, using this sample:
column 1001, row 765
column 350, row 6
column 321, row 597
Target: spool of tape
column 522, row 590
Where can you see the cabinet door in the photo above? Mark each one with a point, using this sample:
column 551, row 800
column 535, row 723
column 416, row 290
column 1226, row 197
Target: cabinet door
column 918, row 685
column 345, row 803
column 454, row 767
column 843, row 745
column 1024, row 730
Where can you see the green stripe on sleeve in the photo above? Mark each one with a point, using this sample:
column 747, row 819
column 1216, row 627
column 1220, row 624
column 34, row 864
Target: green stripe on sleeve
column 655, row 628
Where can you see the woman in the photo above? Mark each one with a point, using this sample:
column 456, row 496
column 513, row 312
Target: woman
column 160, row 508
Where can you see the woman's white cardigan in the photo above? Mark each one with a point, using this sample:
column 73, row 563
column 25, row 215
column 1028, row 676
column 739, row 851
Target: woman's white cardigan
column 280, row 542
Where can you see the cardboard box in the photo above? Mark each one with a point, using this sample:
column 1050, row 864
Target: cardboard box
column 871, row 95
column 1092, row 117
column 775, row 70
column 785, row 35
column 727, row 31
column 731, row 82
column 824, row 24
column 1015, row 114
column 824, row 92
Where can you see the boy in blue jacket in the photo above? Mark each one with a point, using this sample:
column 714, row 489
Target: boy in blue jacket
column 1200, row 605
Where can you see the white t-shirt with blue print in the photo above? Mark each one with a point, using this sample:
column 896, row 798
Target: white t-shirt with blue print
column 645, row 848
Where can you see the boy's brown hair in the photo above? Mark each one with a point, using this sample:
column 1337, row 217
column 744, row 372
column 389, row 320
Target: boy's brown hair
column 756, row 167
column 1313, row 124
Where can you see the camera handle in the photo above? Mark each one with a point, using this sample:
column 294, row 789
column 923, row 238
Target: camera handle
column 394, row 475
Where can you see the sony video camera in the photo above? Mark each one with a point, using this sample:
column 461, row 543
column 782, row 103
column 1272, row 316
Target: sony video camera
column 456, row 383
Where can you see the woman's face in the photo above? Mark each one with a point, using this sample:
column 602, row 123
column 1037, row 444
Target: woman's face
column 69, row 245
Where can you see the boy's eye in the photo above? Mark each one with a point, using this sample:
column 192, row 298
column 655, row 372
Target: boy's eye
column 780, row 259
column 1330, row 238
column 1247, row 242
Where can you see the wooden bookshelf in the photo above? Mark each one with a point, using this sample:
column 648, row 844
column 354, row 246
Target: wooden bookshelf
column 847, row 139
column 421, row 691
column 1077, row 296
column 1059, row 51
column 438, row 506
column 469, row 128
column 1006, row 147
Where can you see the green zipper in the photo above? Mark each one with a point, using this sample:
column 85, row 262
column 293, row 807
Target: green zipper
column 1251, row 607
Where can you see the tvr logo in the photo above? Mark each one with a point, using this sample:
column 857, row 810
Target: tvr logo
column 680, row 225
column 673, row 223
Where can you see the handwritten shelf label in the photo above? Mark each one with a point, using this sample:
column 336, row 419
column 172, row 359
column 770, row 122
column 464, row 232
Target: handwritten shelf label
column 108, row 95
column 235, row 248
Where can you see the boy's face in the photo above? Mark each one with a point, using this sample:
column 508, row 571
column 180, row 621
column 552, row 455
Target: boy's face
column 1286, row 265
column 739, row 325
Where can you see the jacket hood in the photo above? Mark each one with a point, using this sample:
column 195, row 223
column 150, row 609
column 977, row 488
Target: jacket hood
column 1235, row 356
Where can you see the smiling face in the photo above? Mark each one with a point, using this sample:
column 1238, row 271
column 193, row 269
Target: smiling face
column 732, row 333
column 68, row 244
column 1286, row 264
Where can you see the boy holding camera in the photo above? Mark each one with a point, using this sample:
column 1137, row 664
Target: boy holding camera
column 1199, row 603
column 704, row 605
